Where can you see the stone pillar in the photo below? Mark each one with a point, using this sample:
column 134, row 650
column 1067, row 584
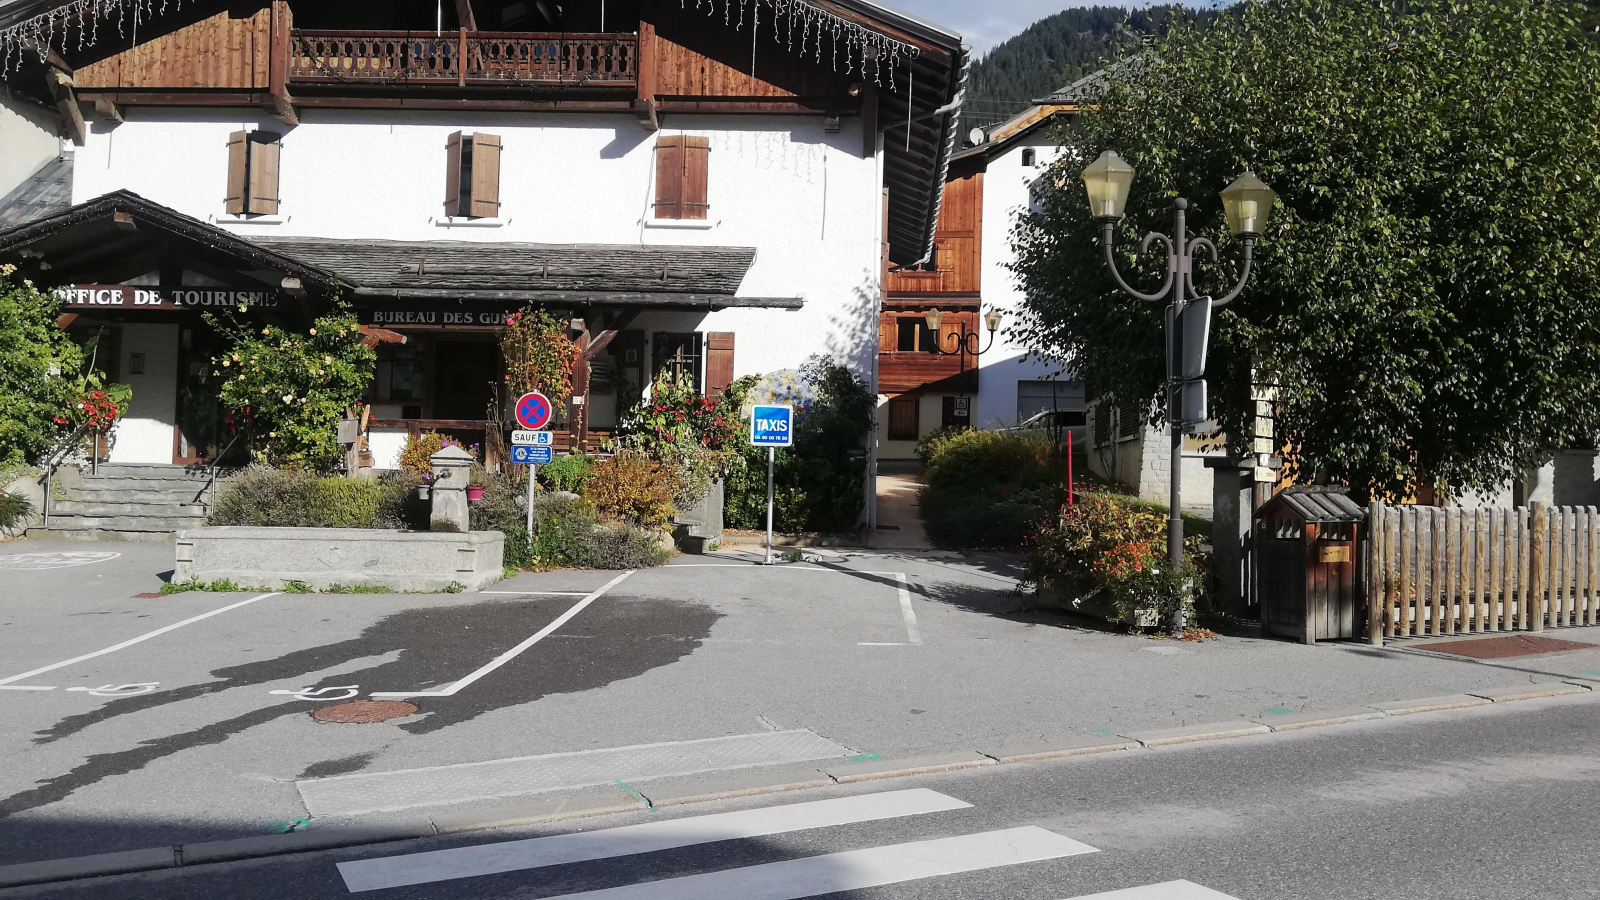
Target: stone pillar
column 452, row 470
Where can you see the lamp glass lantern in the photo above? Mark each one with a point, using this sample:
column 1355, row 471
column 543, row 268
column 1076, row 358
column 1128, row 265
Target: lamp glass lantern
column 933, row 317
column 1108, row 179
column 991, row 320
column 1248, row 204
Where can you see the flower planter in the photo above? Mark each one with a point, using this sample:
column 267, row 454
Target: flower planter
column 474, row 493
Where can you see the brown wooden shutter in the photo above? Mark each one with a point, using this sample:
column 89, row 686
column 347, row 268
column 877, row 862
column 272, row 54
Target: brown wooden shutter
column 669, row 177
column 485, row 175
column 903, row 418
column 888, row 334
column 696, row 168
column 263, row 196
column 452, row 175
column 945, row 258
column 719, row 362
column 237, row 163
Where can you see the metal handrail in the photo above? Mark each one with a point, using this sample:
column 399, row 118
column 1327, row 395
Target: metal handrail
column 210, row 490
column 52, row 460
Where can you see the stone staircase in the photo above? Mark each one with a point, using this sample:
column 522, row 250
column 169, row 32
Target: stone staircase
column 127, row 503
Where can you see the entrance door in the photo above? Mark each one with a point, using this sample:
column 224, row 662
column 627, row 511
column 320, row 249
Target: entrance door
column 465, row 379
column 199, row 436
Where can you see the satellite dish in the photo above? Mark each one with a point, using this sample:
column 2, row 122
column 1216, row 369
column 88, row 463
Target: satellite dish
column 975, row 136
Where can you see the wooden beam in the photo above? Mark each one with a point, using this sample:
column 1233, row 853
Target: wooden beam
column 610, row 333
column 578, row 413
column 464, row 15
column 108, row 110
column 645, row 109
column 279, row 104
column 67, row 105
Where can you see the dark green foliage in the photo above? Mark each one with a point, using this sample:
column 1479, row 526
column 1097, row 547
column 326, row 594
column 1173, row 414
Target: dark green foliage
column 261, row 495
column 988, row 489
column 1428, row 290
column 566, row 473
column 1056, row 51
column 14, row 509
column 820, row 482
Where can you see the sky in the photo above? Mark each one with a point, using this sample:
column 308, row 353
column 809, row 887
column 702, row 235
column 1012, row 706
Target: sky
column 984, row 23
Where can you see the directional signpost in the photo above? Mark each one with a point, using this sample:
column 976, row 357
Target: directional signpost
column 771, row 427
column 532, row 445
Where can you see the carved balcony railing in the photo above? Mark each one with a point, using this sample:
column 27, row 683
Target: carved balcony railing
column 467, row 58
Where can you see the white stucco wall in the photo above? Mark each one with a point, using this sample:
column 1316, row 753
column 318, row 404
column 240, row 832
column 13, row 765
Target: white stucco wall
column 27, row 140
column 1005, row 192
column 806, row 200
column 144, row 435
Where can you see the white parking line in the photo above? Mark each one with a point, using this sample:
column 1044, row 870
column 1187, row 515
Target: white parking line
column 1167, row 890
column 129, row 643
column 630, row 840
column 511, row 654
column 539, row 593
column 913, row 633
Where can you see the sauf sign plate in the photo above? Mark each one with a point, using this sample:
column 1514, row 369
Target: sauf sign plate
column 772, row 426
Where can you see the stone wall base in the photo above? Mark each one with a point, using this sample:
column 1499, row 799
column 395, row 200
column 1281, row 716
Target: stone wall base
column 322, row 557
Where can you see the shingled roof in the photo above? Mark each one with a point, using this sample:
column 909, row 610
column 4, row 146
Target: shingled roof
column 46, row 192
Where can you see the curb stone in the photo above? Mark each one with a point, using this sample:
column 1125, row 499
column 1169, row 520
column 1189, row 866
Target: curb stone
column 727, row 786
column 917, row 765
column 1529, row 692
column 615, row 800
column 1208, row 732
column 1429, row 704
column 1058, row 749
column 1319, row 719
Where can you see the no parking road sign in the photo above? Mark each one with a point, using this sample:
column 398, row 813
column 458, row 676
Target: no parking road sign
column 533, row 410
column 772, row 426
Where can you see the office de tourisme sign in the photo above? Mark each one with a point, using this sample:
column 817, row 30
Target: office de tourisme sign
column 122, row 296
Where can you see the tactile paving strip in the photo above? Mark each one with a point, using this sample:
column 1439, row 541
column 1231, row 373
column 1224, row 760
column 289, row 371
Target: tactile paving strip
column 349, row 795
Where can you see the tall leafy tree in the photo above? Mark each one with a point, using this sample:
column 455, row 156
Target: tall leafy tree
column 1427, row 291
column 39, row 365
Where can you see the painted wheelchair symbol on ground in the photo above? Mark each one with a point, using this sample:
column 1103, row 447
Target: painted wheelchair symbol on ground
column 119, row 690
column 54, row 560
column 350, row 690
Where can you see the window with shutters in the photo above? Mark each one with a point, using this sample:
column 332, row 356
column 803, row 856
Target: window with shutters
column 914, row 335
column 678, row 354
column 253, row 173
column 903, row 418
column 472, row 176
column 1130, row 420
column 682, row 166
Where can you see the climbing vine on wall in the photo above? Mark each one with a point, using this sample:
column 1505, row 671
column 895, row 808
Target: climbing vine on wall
column 539, row 355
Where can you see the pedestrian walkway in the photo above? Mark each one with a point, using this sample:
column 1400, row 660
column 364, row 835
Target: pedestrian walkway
column 899, row 524
column 789, row 879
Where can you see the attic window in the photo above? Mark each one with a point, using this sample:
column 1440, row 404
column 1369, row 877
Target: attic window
column 1027, row 157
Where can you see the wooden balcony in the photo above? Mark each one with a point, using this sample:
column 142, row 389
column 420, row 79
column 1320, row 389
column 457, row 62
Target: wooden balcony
column 463, row 59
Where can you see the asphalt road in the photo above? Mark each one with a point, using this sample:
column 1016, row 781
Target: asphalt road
column 1492, row 802
column 187, row 718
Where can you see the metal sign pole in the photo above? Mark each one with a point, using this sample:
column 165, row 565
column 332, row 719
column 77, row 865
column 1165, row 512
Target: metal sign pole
column 772, row 453
column 533, row 474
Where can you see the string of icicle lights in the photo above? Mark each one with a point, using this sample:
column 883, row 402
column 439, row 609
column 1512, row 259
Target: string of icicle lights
column 77, row 23
column 798, row 24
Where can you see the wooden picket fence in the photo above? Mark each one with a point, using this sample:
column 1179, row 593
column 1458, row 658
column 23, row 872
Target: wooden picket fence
column 1441, row 571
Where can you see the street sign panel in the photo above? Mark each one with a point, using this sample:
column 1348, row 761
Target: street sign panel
column 772, row 426
column 522, row 453
column 534, row 438
column 1187, row 360
column 533, row 410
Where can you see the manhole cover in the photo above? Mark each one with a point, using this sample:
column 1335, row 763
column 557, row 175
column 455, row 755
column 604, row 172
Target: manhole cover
column 1502, row 647
column 54, row 560
column 365, row 712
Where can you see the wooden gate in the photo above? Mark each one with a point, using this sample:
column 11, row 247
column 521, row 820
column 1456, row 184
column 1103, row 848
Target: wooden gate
column 1441, row 571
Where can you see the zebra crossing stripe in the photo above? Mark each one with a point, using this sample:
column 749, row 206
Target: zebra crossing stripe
column 1167, row 890
column 649, row 837
column 854, row 869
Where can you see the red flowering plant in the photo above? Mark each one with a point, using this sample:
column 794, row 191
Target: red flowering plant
column 696, row 434
column 100, row 408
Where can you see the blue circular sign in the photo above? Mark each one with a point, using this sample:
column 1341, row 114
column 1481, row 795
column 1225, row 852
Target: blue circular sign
column 533, row 411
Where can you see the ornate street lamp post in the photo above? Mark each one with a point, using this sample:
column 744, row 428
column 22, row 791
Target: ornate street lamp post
column 1247, row 203
column 966, row 342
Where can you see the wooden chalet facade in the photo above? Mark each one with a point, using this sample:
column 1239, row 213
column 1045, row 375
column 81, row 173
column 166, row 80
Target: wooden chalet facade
column 691, row 195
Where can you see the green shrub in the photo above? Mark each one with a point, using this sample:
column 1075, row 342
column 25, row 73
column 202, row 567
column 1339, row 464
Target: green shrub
column 632, row 487
column 984, row 517
column 820, row 482
column 570, row 533
column 987, row 489
column 975, row 457
column 14, row 509
column 567, row 473
column 930, row 444
column 262, row 495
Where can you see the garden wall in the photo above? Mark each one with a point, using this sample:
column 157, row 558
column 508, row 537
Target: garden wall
column 322, row 557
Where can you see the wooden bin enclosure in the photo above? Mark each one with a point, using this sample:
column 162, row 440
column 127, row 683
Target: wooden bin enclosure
column 1308, row 558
